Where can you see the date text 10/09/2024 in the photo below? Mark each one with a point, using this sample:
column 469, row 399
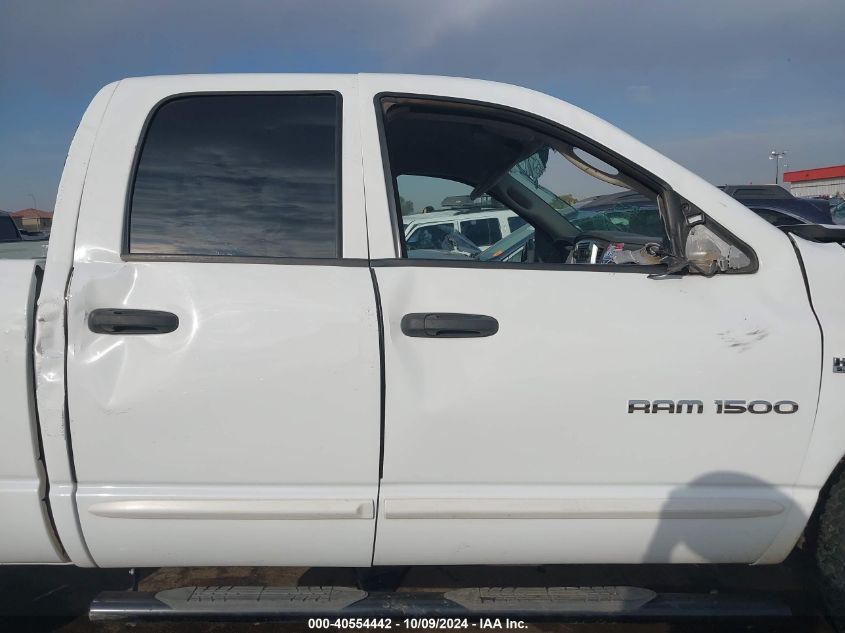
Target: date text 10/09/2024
column 415, row 623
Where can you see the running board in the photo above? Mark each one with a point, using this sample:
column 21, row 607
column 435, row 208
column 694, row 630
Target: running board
column 528, row 603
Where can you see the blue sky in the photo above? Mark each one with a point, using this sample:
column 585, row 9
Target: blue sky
column 714, row 85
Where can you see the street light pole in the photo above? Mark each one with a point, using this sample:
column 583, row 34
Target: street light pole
column 776, row 156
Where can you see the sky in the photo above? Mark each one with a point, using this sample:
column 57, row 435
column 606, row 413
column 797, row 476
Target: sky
column 714, row 85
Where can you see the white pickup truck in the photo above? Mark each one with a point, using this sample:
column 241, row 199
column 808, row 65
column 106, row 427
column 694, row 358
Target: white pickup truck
column 229, row 356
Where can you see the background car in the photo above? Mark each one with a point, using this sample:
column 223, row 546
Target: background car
column 17, row 245
column 778, row 206
column 440, row 241
column 482, row 227
column 838, row 213
column 629, row 210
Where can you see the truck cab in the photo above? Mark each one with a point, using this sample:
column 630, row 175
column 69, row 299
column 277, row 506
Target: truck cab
column 238, row 360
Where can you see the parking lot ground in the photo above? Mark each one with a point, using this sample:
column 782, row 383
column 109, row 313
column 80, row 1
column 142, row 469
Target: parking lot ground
column 57, row 598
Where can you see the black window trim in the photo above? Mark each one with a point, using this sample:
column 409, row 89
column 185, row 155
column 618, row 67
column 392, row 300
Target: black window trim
column 544, row 126
column 337, row 260
column 460, row 263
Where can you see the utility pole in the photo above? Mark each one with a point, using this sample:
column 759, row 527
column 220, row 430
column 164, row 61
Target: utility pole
column 34, row 203
column 776, row 156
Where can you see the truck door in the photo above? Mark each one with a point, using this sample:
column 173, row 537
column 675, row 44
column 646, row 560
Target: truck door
column 558, row 397
column 223, row 364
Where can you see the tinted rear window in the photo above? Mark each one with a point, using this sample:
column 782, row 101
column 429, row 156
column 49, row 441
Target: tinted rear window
column 482, row 232
column 775, row 217
column 514, row 222
column 239, row 175
column 761, row 193
column 8, row 233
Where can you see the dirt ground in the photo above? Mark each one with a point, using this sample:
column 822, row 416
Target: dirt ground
column 56, row 599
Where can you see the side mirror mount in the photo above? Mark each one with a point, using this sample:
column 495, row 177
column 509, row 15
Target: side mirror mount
column 699, row 245
column 709, row 254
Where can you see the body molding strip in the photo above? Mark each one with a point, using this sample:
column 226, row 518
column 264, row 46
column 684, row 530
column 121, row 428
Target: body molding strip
column 701, row 508
column 235, row 509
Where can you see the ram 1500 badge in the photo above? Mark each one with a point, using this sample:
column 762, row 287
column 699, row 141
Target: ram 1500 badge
column 720, row 406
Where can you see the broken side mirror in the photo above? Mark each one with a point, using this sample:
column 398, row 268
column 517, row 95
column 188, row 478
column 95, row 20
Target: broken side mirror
column 708, row 248
column 709, row 254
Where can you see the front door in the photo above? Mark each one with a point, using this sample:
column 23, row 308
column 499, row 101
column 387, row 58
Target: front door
column 583, row 424
column 223, row 365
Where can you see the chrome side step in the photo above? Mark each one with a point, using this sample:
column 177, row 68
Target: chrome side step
column 540, row 599
column 259, row 599
column 528, row 603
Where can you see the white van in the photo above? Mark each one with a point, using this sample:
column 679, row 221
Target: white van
column 481, row 227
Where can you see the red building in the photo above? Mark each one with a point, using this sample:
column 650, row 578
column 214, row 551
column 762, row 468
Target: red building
column 33, row 220
column 821, row 181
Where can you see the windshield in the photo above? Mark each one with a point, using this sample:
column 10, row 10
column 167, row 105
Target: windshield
column 528, row 173
column 622, row 211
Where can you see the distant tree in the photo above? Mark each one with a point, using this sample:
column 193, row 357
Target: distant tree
column 406, row 206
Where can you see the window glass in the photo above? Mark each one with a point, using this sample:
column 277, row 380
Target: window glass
column 8, row 232
column 515, row 222
column 517, row 195
column 618, row 210
column 18, row 244
column 428, row 201
column 429, row 235
column 239, row 175
column 769, row 192
column 838, row 213
column 775, row 217
column 483, row 232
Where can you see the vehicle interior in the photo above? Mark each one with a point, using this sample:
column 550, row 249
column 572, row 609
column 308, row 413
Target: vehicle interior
column 499, row 154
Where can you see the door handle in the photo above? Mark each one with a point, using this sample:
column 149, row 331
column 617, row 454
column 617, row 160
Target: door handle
column 448, row 325
column 123, row 321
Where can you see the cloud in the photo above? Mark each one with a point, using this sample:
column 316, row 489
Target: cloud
column 535, row 41
column 738, row 156
column 639, row 94
column 441, row 21
column 719, row 67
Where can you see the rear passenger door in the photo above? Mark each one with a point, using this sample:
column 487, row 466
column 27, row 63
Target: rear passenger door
column 223, row 366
